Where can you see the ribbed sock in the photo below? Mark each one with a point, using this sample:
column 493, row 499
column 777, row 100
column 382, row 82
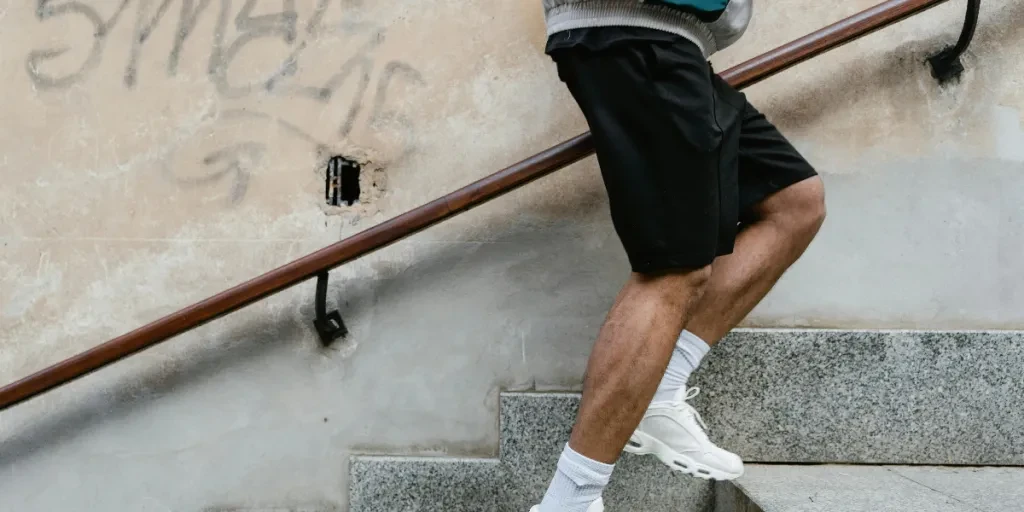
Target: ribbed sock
column 686, row 357
column 578, row 483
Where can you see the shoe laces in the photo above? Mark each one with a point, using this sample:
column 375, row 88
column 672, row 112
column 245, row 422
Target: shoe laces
column 681, row 401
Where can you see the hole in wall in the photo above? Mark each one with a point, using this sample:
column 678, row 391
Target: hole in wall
column 354, row 182
column 341, row 187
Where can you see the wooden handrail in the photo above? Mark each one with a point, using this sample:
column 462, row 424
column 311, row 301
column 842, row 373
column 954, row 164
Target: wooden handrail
column 393, row 230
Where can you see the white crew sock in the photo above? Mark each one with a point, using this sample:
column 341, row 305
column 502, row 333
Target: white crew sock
column 578, row 483
column 685, row 359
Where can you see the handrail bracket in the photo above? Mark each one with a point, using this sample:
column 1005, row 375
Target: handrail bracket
column 329, row 326
column 946, row 64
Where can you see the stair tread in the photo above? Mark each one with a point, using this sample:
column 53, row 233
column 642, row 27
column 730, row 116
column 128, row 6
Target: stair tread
column 843, row 488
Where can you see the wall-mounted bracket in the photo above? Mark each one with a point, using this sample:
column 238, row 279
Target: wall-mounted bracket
column 946, row 65
column 329, row 326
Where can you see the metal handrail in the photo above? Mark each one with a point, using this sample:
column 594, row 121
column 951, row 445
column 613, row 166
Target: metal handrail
column 418, row 219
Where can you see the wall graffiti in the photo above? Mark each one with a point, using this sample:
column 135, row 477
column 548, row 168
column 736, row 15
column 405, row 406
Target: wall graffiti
column 237, row 26
column 234, row 163
column 49, row 9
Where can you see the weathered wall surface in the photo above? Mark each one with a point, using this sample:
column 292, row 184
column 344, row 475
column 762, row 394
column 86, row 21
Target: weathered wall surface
column 154, row 152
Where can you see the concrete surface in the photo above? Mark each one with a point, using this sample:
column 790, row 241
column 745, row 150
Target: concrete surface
column 883, row 488
column 153, row 153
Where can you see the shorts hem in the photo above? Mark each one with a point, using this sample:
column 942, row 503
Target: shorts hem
column 668, row 264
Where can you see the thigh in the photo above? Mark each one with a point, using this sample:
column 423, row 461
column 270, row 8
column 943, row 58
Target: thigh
column 768, row 162
column 650, row 108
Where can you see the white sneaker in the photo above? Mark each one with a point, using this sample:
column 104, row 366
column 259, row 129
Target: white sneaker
column 673, row 431
column 597, row 506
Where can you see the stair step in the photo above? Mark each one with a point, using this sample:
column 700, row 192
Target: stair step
column 851, row 397
column 771, row 488
column 776, row 396
column 866, row 397
column 534, row 429
column 397, row 484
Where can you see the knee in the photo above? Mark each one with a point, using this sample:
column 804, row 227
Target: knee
column 800, row 208
column 813, row 205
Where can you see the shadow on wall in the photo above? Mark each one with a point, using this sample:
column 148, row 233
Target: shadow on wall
column 136, row 385
column 118, row 397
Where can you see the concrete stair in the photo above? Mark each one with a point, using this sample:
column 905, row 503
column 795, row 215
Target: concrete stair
column 534, row 428
column 874, row 489
column 773, row 396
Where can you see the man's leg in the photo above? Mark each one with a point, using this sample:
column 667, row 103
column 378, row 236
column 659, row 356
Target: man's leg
column 671, row 429
column 656, row 141
column 782, row 208
column 782, row 204
column 631, row 353
column 787, row 222
column 784, row 226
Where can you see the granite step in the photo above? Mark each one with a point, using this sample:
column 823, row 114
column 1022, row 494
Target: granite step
column 775, row 396
column 410, row 484
column 867, row 397
column 534, row 429
column 770, row 488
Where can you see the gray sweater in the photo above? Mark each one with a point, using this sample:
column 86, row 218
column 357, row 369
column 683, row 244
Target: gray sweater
column 710, row 36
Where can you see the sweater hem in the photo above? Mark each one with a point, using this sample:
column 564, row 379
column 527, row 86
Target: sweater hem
column 593, row 14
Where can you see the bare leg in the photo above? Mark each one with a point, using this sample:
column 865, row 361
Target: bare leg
column 788, row 221
column 631, row 353
column 638, row 337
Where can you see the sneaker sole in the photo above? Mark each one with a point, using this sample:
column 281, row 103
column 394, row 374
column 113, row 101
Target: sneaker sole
column 643, row 444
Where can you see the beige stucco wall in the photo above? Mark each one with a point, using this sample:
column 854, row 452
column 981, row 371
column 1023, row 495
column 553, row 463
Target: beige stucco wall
column 153, row 153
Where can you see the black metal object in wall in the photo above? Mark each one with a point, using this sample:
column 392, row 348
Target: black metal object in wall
column 329, row 326
column 946, row 65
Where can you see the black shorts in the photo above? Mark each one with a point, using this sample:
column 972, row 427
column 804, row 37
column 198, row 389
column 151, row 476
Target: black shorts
column 684, row 156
